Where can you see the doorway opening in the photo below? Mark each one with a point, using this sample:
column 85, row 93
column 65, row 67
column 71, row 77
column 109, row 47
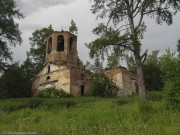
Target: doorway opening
column 82, row 90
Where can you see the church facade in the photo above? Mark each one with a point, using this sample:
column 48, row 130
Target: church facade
column 62, row 72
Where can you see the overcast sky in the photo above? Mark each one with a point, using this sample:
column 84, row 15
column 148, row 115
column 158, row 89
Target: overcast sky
column 59, row 13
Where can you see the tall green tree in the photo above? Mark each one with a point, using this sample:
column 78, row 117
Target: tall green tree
column 152, row 72
column 73, row 28
column 37, row 51
column 125, row 27
column 29, row 68
column 14, row 83
column 10, row 34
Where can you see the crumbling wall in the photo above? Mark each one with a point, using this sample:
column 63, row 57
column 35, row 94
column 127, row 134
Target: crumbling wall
column 80, row 82
column 123, row 79
column 116, row 76
column 58, row 78
column 127, row 83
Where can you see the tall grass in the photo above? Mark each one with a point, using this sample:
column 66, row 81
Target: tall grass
column 88, row 116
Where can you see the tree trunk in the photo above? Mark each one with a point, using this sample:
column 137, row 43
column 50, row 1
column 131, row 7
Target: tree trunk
column 141, row 82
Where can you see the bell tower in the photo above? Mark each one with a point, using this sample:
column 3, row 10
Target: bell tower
column 61, row 48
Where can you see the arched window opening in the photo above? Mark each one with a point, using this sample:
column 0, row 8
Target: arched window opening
column 60, row 43
column 49, row 69
column 49, row 45
column 70, row 43
column 48, row 78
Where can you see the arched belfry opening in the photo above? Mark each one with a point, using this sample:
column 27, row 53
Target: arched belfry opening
column 50, row 45
column 60, row 43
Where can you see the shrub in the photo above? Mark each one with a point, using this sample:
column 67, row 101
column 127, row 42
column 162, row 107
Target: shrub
column 102, row 86
column 52, row 93
column 170, row 95
column 170, row 65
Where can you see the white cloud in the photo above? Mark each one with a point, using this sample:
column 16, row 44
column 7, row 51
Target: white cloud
column 29, row 6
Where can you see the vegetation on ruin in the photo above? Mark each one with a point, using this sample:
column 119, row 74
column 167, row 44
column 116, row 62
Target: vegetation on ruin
column 89, row 115
column 52, row 93
column 102, row 86
column 123, row 31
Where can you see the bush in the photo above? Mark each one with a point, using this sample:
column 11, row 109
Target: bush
column 170, row 65
column 102, row 86
column 53, row 93
column 170, row 95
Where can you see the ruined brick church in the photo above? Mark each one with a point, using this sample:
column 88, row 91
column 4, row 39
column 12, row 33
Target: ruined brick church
column 62, row 72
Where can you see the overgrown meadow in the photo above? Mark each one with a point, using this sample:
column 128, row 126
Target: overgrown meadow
column 89, row 116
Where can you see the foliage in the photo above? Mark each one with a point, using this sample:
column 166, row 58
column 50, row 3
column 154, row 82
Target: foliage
column 113, row 60
column 28, row 67
column 96, row 116
column 97, row 67
column 170, row 65
column 52, row 93
column 73, row 28
column 102, row 86
column 151, row 68
column 9, row 29
column 125, row 28
column 152, row 72
column 145, row 107
column 37, row 51
column 131, row 64
column 156, row 96
column 178, row 47
column 14, row 83
column 80, row 63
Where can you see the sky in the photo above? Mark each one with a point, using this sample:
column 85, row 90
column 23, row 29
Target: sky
column 59, row 13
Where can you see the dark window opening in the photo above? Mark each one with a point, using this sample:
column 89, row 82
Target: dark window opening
column 48, row 78
column 49, row 69
column 82, row 90
column 136, row 87
column 49, row 45
column 60, row 43
column 71, row 43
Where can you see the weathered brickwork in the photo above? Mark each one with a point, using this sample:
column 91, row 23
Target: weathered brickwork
column 61, row 70
column 123, row 79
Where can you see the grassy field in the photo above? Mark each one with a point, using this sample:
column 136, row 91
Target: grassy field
column 87, row 116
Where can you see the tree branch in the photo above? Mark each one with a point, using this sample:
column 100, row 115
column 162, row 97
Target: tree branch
column 144, row 56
